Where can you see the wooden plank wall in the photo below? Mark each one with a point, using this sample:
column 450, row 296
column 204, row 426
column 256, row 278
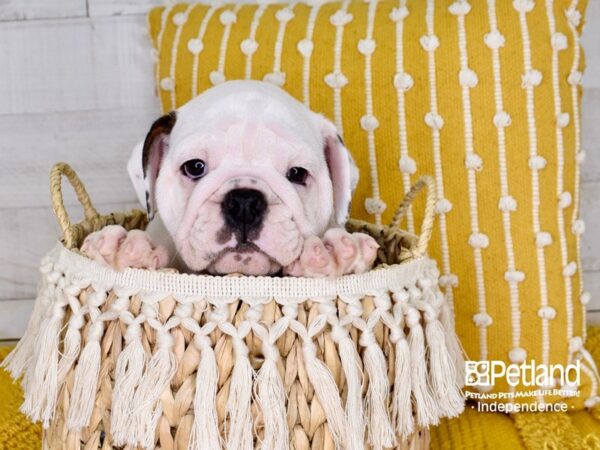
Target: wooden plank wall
column 76, row 85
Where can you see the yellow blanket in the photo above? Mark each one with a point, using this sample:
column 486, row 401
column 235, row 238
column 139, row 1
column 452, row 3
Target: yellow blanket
column 472, row 430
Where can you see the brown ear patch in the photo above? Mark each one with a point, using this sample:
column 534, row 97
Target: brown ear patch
column 161, row 126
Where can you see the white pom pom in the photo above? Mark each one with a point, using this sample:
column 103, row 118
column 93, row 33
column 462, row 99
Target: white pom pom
column 585, row 298
column 369, row 123
column 517, row 355
column 473, row 161
column 167, row 84
column 227, row 17
column 563, row 119
column 216, row 77
column 591, row 401
column 403, row 81
column 448, row 280
column 479, row 240
column 482, row 320
column 565, row 200
column 340, row 18
column 580, row 157
column 249, row 46
column 467, row 78
column 443, row 206
column 537, row 162
column 502, row 119
column 575, row 344
column 276, row 78
column 573, row 16
column 399, row 14
column 507, row 203
column 195, row 46
column 305, row 47
column 366, row 46
column 459, row 8
column 570, row 269
column 523, row 5
column 514, row 275
column 494, row 40
column 559, row 41
column 336, row 80
column 547, row 312
column 375, row 205
column 407, row 165
column 578, row 227
column 284, row 15
column 429, row 42
column 531, row 78
column 434, row 120
column 179, row 19
column 543, row 239
column 575, row 78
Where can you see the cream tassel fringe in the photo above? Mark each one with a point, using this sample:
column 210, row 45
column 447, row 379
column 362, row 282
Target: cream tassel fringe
column 441, row 368
column 380, row 429
column 271, row 398
column 85, row 385
column 157, row 376
column 401, row 399
column 41, row 386
column 354, row 402
column 205, row 431
column 71, row 346
column 453, row 344
column 424, row 404
column 128, row 373
column 327, row 392
column 240, row 400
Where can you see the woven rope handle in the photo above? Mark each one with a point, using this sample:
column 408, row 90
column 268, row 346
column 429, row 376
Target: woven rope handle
column 58, row 171
column 429, row 216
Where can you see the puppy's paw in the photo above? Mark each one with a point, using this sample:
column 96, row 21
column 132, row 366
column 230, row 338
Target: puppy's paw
column 353, row 253
column 120, row 249
column 315, row 261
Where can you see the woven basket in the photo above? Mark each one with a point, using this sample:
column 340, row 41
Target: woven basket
column 156, row 359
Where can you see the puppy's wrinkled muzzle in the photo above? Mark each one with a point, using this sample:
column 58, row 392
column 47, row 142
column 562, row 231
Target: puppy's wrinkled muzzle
column 243, row 211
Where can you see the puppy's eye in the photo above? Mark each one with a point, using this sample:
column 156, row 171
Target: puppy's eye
column 297, row 175
column 194, row 169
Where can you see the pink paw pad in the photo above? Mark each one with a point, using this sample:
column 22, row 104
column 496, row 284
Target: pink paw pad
column 315, row 261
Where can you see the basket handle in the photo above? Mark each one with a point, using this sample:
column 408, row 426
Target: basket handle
column 429, row 216
column 58, row 171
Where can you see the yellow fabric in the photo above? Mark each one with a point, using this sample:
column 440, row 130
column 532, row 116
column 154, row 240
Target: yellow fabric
column 198, row 45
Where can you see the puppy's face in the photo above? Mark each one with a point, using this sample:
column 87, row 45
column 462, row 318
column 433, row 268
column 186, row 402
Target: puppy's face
column 241, row 174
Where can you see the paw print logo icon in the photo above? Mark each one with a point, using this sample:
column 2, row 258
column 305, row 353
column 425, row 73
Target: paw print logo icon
column 477, row 373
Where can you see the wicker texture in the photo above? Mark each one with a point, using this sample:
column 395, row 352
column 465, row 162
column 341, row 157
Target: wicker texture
column 238, row 362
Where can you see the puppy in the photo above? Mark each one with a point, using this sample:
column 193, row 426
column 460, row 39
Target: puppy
column 248, row 180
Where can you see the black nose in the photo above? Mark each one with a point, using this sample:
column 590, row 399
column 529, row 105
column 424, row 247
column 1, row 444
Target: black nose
column 243, row 210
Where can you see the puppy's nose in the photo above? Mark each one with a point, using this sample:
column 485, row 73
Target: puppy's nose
column 243, row 209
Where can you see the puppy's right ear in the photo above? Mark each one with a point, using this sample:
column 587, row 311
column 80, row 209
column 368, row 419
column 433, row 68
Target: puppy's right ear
column 144, row 163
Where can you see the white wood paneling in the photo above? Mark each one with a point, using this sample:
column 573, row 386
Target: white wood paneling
column 590, row 207
column 97, row 143
column 591, row 44
column 120, row 7
column 75, row 65
column 41, row 9
column 591, row 132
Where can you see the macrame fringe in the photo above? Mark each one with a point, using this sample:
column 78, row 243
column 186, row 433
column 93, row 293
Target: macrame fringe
column 327, row 392
column 401, row 397
column 271, row 399
column 147, row 408
column 442, row 371
column 41, row 381
column 354, row 402
column 71, row 347
column 453, row 344
column 239, row 402
column 128, row 373
column 425, row 407
column 381, row 433
column 85, row 384
column 205, row 431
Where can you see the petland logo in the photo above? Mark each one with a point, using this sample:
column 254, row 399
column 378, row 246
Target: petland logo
column 528, row 374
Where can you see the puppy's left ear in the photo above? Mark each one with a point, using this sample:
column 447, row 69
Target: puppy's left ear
column 342, row 169
column 144, row 163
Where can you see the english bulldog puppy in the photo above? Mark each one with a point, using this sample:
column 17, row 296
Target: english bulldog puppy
column 247, row 180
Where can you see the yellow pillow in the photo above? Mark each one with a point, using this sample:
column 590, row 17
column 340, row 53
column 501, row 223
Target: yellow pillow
column 484, row 96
